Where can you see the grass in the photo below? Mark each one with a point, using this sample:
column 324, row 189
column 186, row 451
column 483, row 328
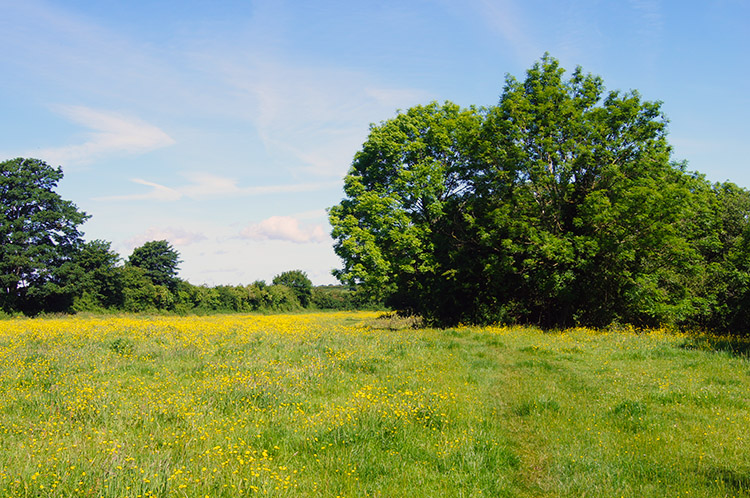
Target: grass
column 349, row 405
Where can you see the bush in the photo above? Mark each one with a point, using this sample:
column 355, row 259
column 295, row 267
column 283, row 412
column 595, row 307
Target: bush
column 332, row 298
column 281, row 298
column 298, row 281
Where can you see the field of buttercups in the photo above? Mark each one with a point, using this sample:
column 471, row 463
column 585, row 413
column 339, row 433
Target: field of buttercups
column 350, row 404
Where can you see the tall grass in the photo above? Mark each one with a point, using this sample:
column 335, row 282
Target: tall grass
column 349, row 405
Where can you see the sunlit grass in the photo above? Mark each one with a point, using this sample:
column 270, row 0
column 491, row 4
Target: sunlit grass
column 348, row 405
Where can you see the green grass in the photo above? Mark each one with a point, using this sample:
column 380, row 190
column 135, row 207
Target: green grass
column 348, row 405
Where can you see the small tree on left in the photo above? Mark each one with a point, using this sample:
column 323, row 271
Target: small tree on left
column 39, row 237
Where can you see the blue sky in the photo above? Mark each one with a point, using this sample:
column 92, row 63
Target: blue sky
column 226, row 127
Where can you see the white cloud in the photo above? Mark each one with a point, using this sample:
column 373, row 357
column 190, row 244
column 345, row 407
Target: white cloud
column 158, row 192
column 285, row 228
column 176, row 236
column 315, row 214
column 110, row 133
column 206, row 185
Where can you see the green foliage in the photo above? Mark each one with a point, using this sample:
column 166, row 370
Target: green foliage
column 199, row 298
column 159, row 260
column 122, row 346
column 409, row 170
column 281, row 298
column 39, row 236
column 333, row 298
column 232, row 299
column 558, row 206
column 298, row 281
column 141, row 294
column 99, row 276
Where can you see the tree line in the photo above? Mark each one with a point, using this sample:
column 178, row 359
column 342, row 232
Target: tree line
column 46, row 266
column 560, row 205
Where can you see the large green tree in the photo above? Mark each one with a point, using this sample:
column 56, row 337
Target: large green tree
column 403, row 186
column 559, row 205
column 574, row 202
column 39, row 237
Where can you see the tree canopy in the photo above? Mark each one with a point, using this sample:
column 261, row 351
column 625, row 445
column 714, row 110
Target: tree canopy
column 560, row 205
column 159, row 260
column 300, row 284
column 98, row 276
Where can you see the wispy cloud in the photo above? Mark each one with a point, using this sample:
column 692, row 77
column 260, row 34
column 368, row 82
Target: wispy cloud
column 285, row 228
column 157, row 193
column 650, row 28
column 504, row 17
column 650, row 11
column 176, row 236
column 579, row 32
column 59, row 46
column 110, row 133
column 206, row 186
column 313, row 118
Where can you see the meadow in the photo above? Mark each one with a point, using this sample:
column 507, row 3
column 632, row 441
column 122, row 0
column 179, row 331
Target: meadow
column 352, row 404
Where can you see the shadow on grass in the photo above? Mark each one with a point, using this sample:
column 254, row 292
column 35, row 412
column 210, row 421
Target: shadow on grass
column 733, row 345
column 395, row 321
column 736, row 479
